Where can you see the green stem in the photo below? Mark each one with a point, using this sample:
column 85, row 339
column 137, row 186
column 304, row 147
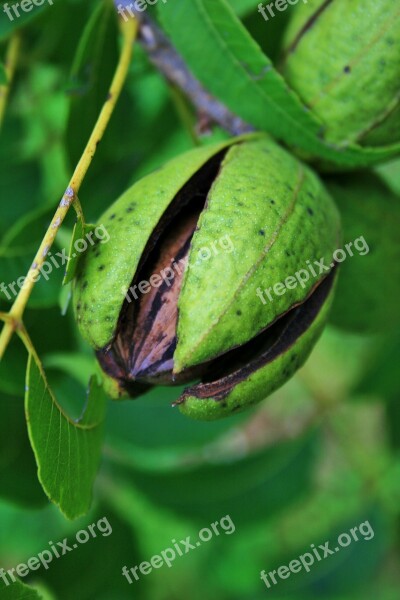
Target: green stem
column 10, row 66
column 14, row 322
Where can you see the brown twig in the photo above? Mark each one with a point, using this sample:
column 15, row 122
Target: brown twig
column 167, row 60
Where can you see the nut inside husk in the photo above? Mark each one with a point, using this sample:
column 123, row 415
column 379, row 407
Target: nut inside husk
column 142, row 351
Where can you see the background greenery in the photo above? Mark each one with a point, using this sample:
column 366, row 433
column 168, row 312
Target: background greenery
column 318, row 457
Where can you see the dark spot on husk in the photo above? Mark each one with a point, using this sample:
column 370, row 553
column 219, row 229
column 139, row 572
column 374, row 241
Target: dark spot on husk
column 307, row 26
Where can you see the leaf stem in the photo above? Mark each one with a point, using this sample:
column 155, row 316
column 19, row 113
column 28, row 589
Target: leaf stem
column 167, row 60
column 184, row 113
column 129, row 31
column 12, row 54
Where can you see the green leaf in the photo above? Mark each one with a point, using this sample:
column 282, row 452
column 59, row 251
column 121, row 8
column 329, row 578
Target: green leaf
column 80, row 232
column 17, row 249
column 351, row 566
column 15, row 20
column 93, row 68
column 390, row 172
column 242, row 7
column 13, row 366
column 231, row 65
column 76, row 365
column 3, row 75
column 67, row 452
column 18, row 591
column 18, row 478
column 118, row 546
column 380, row 374
column 73, row 257
column 85, row 42
column 270, row 544
column 150, row 433
column 20, row 181
column 65, row 298
column 267, row 480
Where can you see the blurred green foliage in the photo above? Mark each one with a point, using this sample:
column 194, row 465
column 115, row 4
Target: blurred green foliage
column 318, row 457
